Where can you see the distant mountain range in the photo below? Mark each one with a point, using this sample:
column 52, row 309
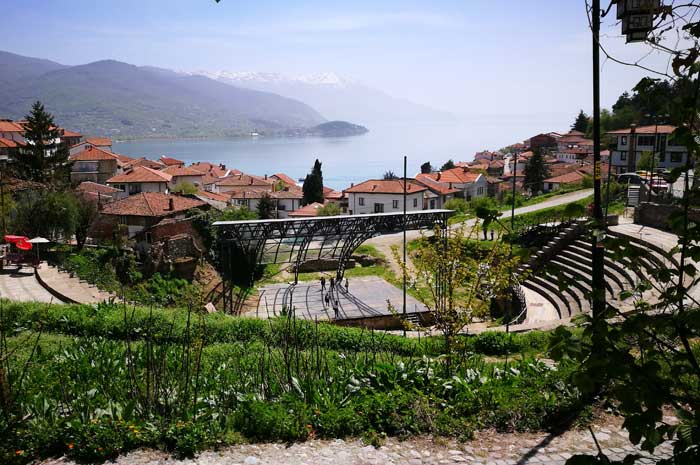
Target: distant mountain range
column 335, row 97
column 121, row 100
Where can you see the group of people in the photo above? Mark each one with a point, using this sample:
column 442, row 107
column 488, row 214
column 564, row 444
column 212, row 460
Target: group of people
column 328, row 298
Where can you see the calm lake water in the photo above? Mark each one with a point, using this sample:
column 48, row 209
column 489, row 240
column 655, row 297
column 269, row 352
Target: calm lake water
column 348, row 159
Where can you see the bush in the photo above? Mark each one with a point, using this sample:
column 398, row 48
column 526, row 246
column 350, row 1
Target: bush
column 458, row 205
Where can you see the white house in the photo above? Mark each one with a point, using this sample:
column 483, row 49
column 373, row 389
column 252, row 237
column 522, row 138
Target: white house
column 384, row 196
column 184, row 174
column 468, row 184
column 629, row 144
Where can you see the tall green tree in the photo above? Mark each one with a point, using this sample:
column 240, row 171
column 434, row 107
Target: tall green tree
column 536, row 171
column 389, row 176
column 448, row 165
column 45, row 158
column 50, row 214
column 426, row 168
column 313, row 185
column 581, row 122
column 86, row 210
column 266, row 207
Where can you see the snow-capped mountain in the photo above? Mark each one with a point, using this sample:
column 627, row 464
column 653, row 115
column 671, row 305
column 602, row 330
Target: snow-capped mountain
column 334, row 96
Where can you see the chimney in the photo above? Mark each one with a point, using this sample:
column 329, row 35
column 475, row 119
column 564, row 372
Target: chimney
column 438, row 176
column 171, row 204
column 265, row 177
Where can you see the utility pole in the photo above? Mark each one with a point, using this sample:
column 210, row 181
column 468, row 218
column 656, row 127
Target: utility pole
column 404, row 242
column 598, row 276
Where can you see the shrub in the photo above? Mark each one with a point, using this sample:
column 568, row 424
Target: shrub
column 458, row 205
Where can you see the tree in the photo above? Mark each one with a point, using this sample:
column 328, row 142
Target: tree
column 329, row 209
column 184, row 188
column 426, row 168
column 50, row 214
column 581, row 122
column 448, row 165
column 647, row 160
column 86, row 214
column 454, row 281
column 45, row 158
column 390, row 176
column 313, row 185
column 536, row 171
column 266, row 207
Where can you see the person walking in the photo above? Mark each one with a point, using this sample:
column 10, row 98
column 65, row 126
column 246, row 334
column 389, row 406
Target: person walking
column 335, row 309
column 323, row 283
column 332, row 283
column 347, row 284
column 327, row 299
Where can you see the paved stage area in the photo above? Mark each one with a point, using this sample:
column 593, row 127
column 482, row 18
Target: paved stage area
column 21, row 285
column 367, row 297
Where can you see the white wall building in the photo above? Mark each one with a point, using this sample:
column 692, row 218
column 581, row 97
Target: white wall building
column 384, row 196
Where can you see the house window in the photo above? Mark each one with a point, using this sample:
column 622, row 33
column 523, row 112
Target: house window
column 361, row 201
column 623, row 156
column 432, row 204
column 415, row 203
column 149, row 238
column 134, row 188
column 623, row 140
column 378, row 208
column 647, row 141
column 676, row 157
column 480, row 191
column 394, row 204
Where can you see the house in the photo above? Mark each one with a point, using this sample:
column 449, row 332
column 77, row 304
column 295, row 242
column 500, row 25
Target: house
column 71, row 138
column 153, row 164
column 140, row 211
column 138, row 179
column 169, row 161
column 13, row 142
column 218, row 201
column 99, row 192
column 285, row 200
column 629, row 144
column 307, row 211
column 104, row 143
column 338, row 198
column 96, row 165
column 180, row 174
column 438, row 192
column 242, row 181
column 544, row 142
column 384, row 196
column 573, row 147
column 557, row 182
column 9, row 148
column 468, row 184
column 286, row 180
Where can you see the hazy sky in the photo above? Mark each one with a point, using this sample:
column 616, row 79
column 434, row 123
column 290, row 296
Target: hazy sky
column 471, row 57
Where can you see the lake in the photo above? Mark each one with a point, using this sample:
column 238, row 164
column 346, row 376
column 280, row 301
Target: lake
column 345, row 160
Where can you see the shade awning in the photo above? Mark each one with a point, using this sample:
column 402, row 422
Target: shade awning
column 39, row 240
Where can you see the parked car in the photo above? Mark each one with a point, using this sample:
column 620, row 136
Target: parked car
column 630, row 178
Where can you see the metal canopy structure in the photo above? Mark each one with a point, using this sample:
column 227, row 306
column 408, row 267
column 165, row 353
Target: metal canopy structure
column 247, row 245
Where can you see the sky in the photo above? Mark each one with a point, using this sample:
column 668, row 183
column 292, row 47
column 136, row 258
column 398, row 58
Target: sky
column 474, row 58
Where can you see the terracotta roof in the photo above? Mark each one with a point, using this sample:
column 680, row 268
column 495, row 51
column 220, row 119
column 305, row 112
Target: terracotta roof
column 497, row 164
column 171, row 161
column 285, row 179
column 245, row 193
column 381, row 186
column 243, row 180
column 89, row 186
column 151, row 204
column 212, row 195
column 329, row 193
column 287, row 194
column 567, row 178
column 307, row 210
column 67, row 133
column 140, row 174
column 11, row 126
column 435, row 186
column 176, row 170
column 99, row 141
column 92, row 153
column 9, row 143
column 156, row 165
column 493, row 180
column 458, row 175
column 218, row 171
column 660, row 129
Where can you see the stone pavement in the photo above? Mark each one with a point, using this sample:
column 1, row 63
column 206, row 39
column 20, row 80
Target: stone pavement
column 71, row 289
column 487, row 448
column 20, row 284
column 367, row 298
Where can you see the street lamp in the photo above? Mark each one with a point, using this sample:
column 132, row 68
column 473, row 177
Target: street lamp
column 637, row 18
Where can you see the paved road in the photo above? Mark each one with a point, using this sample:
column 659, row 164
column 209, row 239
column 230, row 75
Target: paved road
column 22, row 286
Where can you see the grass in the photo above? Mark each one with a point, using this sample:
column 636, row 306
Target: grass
column 100, row 381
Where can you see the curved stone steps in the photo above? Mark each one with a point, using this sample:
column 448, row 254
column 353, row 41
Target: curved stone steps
column 575, row 290
column 581, row 272
column 551, row 293
column 622, row 278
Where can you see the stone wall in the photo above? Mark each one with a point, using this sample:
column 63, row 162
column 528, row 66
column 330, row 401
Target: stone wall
column 657, row 215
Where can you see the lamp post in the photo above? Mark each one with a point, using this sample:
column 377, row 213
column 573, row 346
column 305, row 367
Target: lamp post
column 404, row 241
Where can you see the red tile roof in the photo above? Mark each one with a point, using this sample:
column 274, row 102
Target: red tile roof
column 329, row 193
column 243, row 180
column 9, row 143
column 11, row 126
column 139, row 174
column 568, row 178
column 170, row 161
column 287, row 194
column 89, row 186
column 381, row 186
column 177, row 170
column 92, row 153
column 67, row 133
column 218, row 171
column 307, row 210
column 458, row 175
column 213, row 195
column 151, row 204
column 660, row 129
column 438, row 187
column 285, row 179
column 155, row 165
column 99, row 141
column 249, row 193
